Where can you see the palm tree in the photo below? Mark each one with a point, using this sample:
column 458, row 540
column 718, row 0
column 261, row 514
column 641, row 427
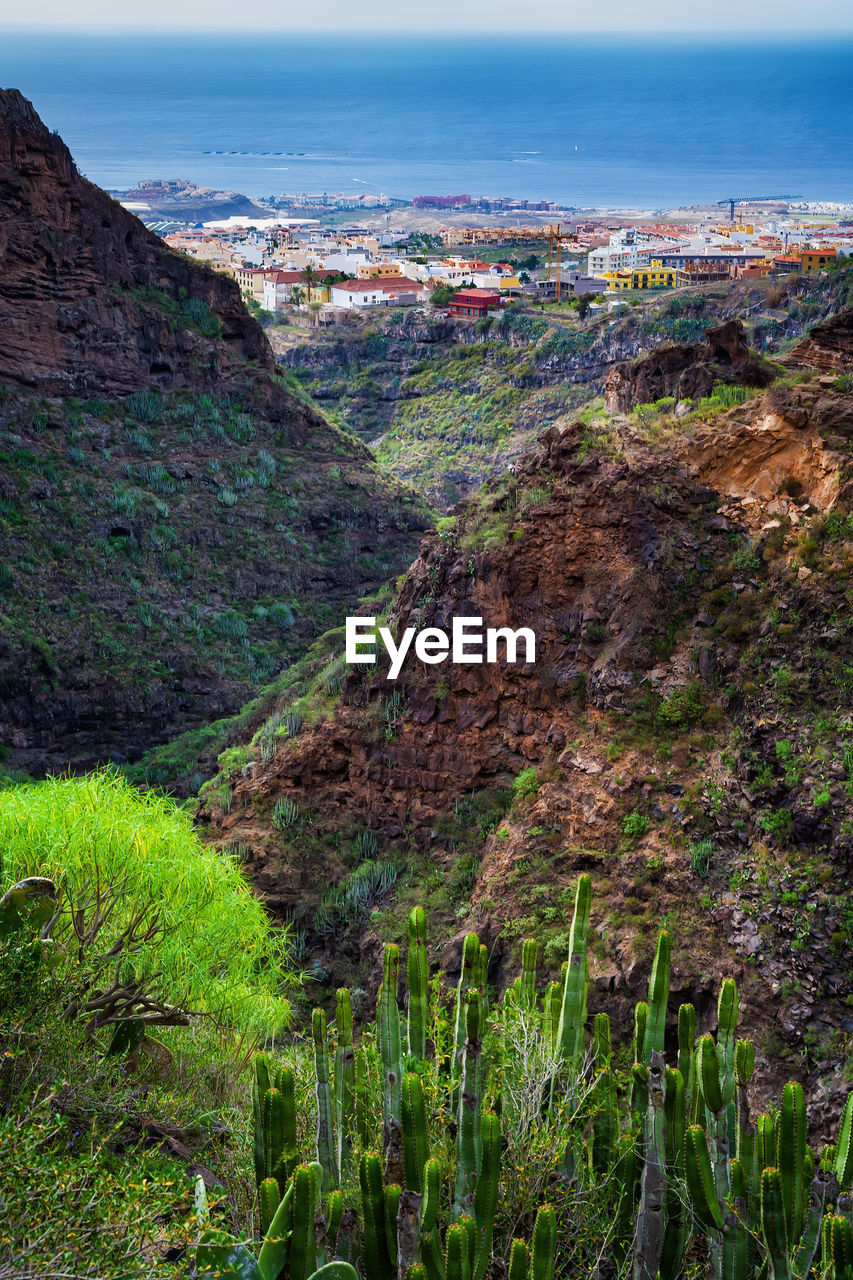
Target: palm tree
column 297, row 295
column 309, row 279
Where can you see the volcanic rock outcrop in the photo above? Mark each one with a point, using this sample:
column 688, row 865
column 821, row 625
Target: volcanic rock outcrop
column 90, row 299
column 829, row 345
column 686, row 604
column 688, row 372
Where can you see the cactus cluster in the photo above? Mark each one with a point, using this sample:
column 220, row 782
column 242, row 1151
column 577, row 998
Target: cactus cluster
column 419, row 1196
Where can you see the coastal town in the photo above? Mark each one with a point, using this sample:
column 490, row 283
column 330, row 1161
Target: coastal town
column 324, row 267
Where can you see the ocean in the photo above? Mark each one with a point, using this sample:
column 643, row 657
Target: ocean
column 586, row 121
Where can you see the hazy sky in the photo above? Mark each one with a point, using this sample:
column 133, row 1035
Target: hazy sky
column 438, row 15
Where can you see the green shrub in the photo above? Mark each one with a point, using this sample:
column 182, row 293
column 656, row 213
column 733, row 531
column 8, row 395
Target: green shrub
column 682, row 707
column 526, row 784
column 635, row 825
column 217, row 950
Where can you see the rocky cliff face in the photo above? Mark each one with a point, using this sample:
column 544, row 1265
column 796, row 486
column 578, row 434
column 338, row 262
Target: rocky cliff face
column 680, row 734
column 687, row 372
column 829, row 345
column 90, row 300
column 177, row 520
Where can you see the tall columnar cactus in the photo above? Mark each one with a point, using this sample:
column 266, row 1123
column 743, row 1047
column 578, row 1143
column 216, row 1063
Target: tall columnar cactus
column 791, row 1158
column 716, row 1112
column 467, row 976
column 544, row 1244
column 390, row 1051
column 418, row 972
column 551, row 1005
column 326, row 1141
column 773, row 1225
column 469, row 1138
column 287, row 1250
column 687, row 1056
column 486, row 1196
column 527, row 982
column 649, row 1235
column 260, row 1086
column 302, row 1251
column 653, row 1041
column 838, row 1248
column 377, row 1260
column 639, row 1091
column 415, row 1135
column 344, row 1088
column 844, row 1150
column 605, row 1119
column 570, row 1035
column 675, row 1231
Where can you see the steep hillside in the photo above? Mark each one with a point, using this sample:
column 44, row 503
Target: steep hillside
column 448, row 403
column 684, row 732
column 169, row 503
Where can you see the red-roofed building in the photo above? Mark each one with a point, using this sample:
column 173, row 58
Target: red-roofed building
column 474, row 302
column 385, row 291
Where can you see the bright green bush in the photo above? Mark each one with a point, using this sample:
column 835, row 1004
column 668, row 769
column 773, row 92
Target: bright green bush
column 682, row 707
column 635, row 825
column 217, row 951
column 526, row 784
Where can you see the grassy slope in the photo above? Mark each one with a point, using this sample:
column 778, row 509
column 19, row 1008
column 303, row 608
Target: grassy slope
column 447, row 413
column 181, row 542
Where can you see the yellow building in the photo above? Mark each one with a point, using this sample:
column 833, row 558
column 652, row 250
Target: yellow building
column 817, row 260
column 651, row 277
column 378, row 270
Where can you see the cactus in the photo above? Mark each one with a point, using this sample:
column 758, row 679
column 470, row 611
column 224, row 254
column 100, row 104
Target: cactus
column 377, row 1261
column 269, row 1198
column 470, row 967
column 220, row 1256
column 773, row 1225
column 527, row 982
column 326, row 1143
column 551, row 1013
column 302, row 1248
column 648, row 1240
column 544, row 1244
column 415, row 1136
column 653, row 1041
column 605, row 1121
column 260, row 1087
column 519, row 1257
column 469, row 1140
column 418, row 966
column 844, row 1151
column 791, row 1157
column 344, row 1090
column 393, row 1194
column 639, row 1095
column 486, row 1195
column 388, row 1034
column 675, row 1231
column 838, row 1248
column 570, row 1034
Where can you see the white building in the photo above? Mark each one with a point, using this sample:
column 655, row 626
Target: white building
column 393, row 291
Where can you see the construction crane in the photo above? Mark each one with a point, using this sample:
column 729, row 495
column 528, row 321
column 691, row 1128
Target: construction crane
column 556, row 240
column 731, row 201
